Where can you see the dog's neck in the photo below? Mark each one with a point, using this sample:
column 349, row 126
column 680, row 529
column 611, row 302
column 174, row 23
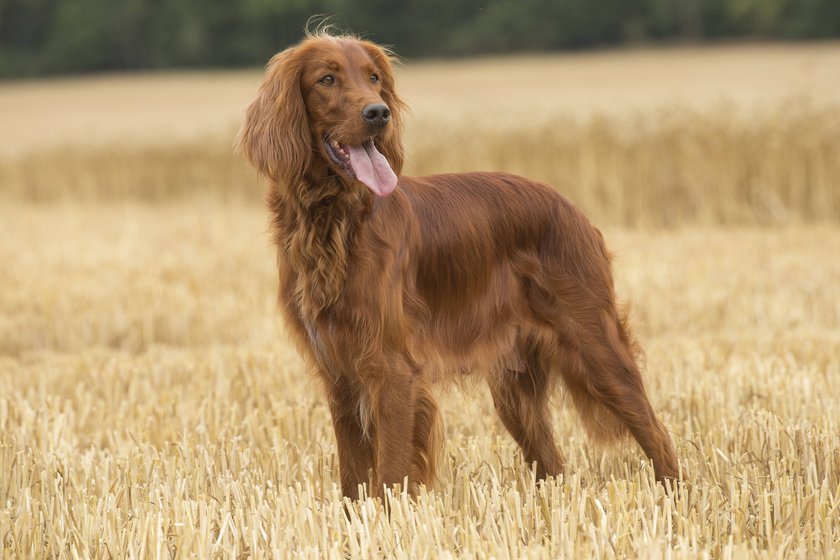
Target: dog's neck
column 314, row 226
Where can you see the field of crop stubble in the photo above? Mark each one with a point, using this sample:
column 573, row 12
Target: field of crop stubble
column 150, row 405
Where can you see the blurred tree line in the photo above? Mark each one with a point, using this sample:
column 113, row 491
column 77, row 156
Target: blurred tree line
column 62, row 36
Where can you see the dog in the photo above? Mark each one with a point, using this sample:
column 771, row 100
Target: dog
column 389, row 283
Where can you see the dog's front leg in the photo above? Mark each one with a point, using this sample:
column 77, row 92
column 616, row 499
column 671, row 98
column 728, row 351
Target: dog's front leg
column 352, row 436
column 393, row 402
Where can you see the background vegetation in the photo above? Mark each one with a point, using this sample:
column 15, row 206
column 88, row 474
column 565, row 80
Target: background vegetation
column 62, row 36
column 779, row 167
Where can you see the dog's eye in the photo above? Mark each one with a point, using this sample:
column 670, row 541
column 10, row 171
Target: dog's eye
column 327, row 80
column 374, row 78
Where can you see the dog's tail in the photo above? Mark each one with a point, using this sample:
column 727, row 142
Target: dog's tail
column 600, row 422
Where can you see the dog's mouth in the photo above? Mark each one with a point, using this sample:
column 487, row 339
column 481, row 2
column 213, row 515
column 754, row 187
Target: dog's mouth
column 364, row 163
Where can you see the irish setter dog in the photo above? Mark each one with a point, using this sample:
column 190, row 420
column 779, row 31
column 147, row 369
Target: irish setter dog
column 390, row 283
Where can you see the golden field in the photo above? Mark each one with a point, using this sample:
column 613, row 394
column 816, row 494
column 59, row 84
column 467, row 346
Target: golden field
column 718, row 135
column 151, row 407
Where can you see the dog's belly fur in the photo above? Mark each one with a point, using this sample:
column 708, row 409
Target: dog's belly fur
column 482, row 279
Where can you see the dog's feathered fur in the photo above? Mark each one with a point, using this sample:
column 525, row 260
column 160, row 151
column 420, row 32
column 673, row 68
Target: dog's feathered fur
column 450, row 274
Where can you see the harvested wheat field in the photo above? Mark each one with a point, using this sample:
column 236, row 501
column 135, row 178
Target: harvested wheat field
column 151, row 406
column 168, row 107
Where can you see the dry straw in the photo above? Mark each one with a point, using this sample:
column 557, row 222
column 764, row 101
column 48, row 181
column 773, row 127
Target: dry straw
column 151, row 408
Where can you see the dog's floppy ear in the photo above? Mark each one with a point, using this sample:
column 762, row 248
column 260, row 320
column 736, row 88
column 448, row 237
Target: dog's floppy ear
column 392, row 145
column 275, row 135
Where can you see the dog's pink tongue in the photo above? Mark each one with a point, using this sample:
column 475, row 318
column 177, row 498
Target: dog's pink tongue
column 372, row 169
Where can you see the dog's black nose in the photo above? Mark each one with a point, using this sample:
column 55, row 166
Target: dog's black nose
column 376, row 114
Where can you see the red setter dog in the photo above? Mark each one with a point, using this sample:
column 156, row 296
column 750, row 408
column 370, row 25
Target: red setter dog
column 390, row 283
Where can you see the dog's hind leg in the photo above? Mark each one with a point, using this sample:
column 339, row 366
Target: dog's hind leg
column 599, row 367
column 521, row 399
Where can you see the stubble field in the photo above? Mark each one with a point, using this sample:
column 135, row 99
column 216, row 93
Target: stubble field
column 150, row 405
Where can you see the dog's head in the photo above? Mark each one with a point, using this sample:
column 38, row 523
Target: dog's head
column 328, row 105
